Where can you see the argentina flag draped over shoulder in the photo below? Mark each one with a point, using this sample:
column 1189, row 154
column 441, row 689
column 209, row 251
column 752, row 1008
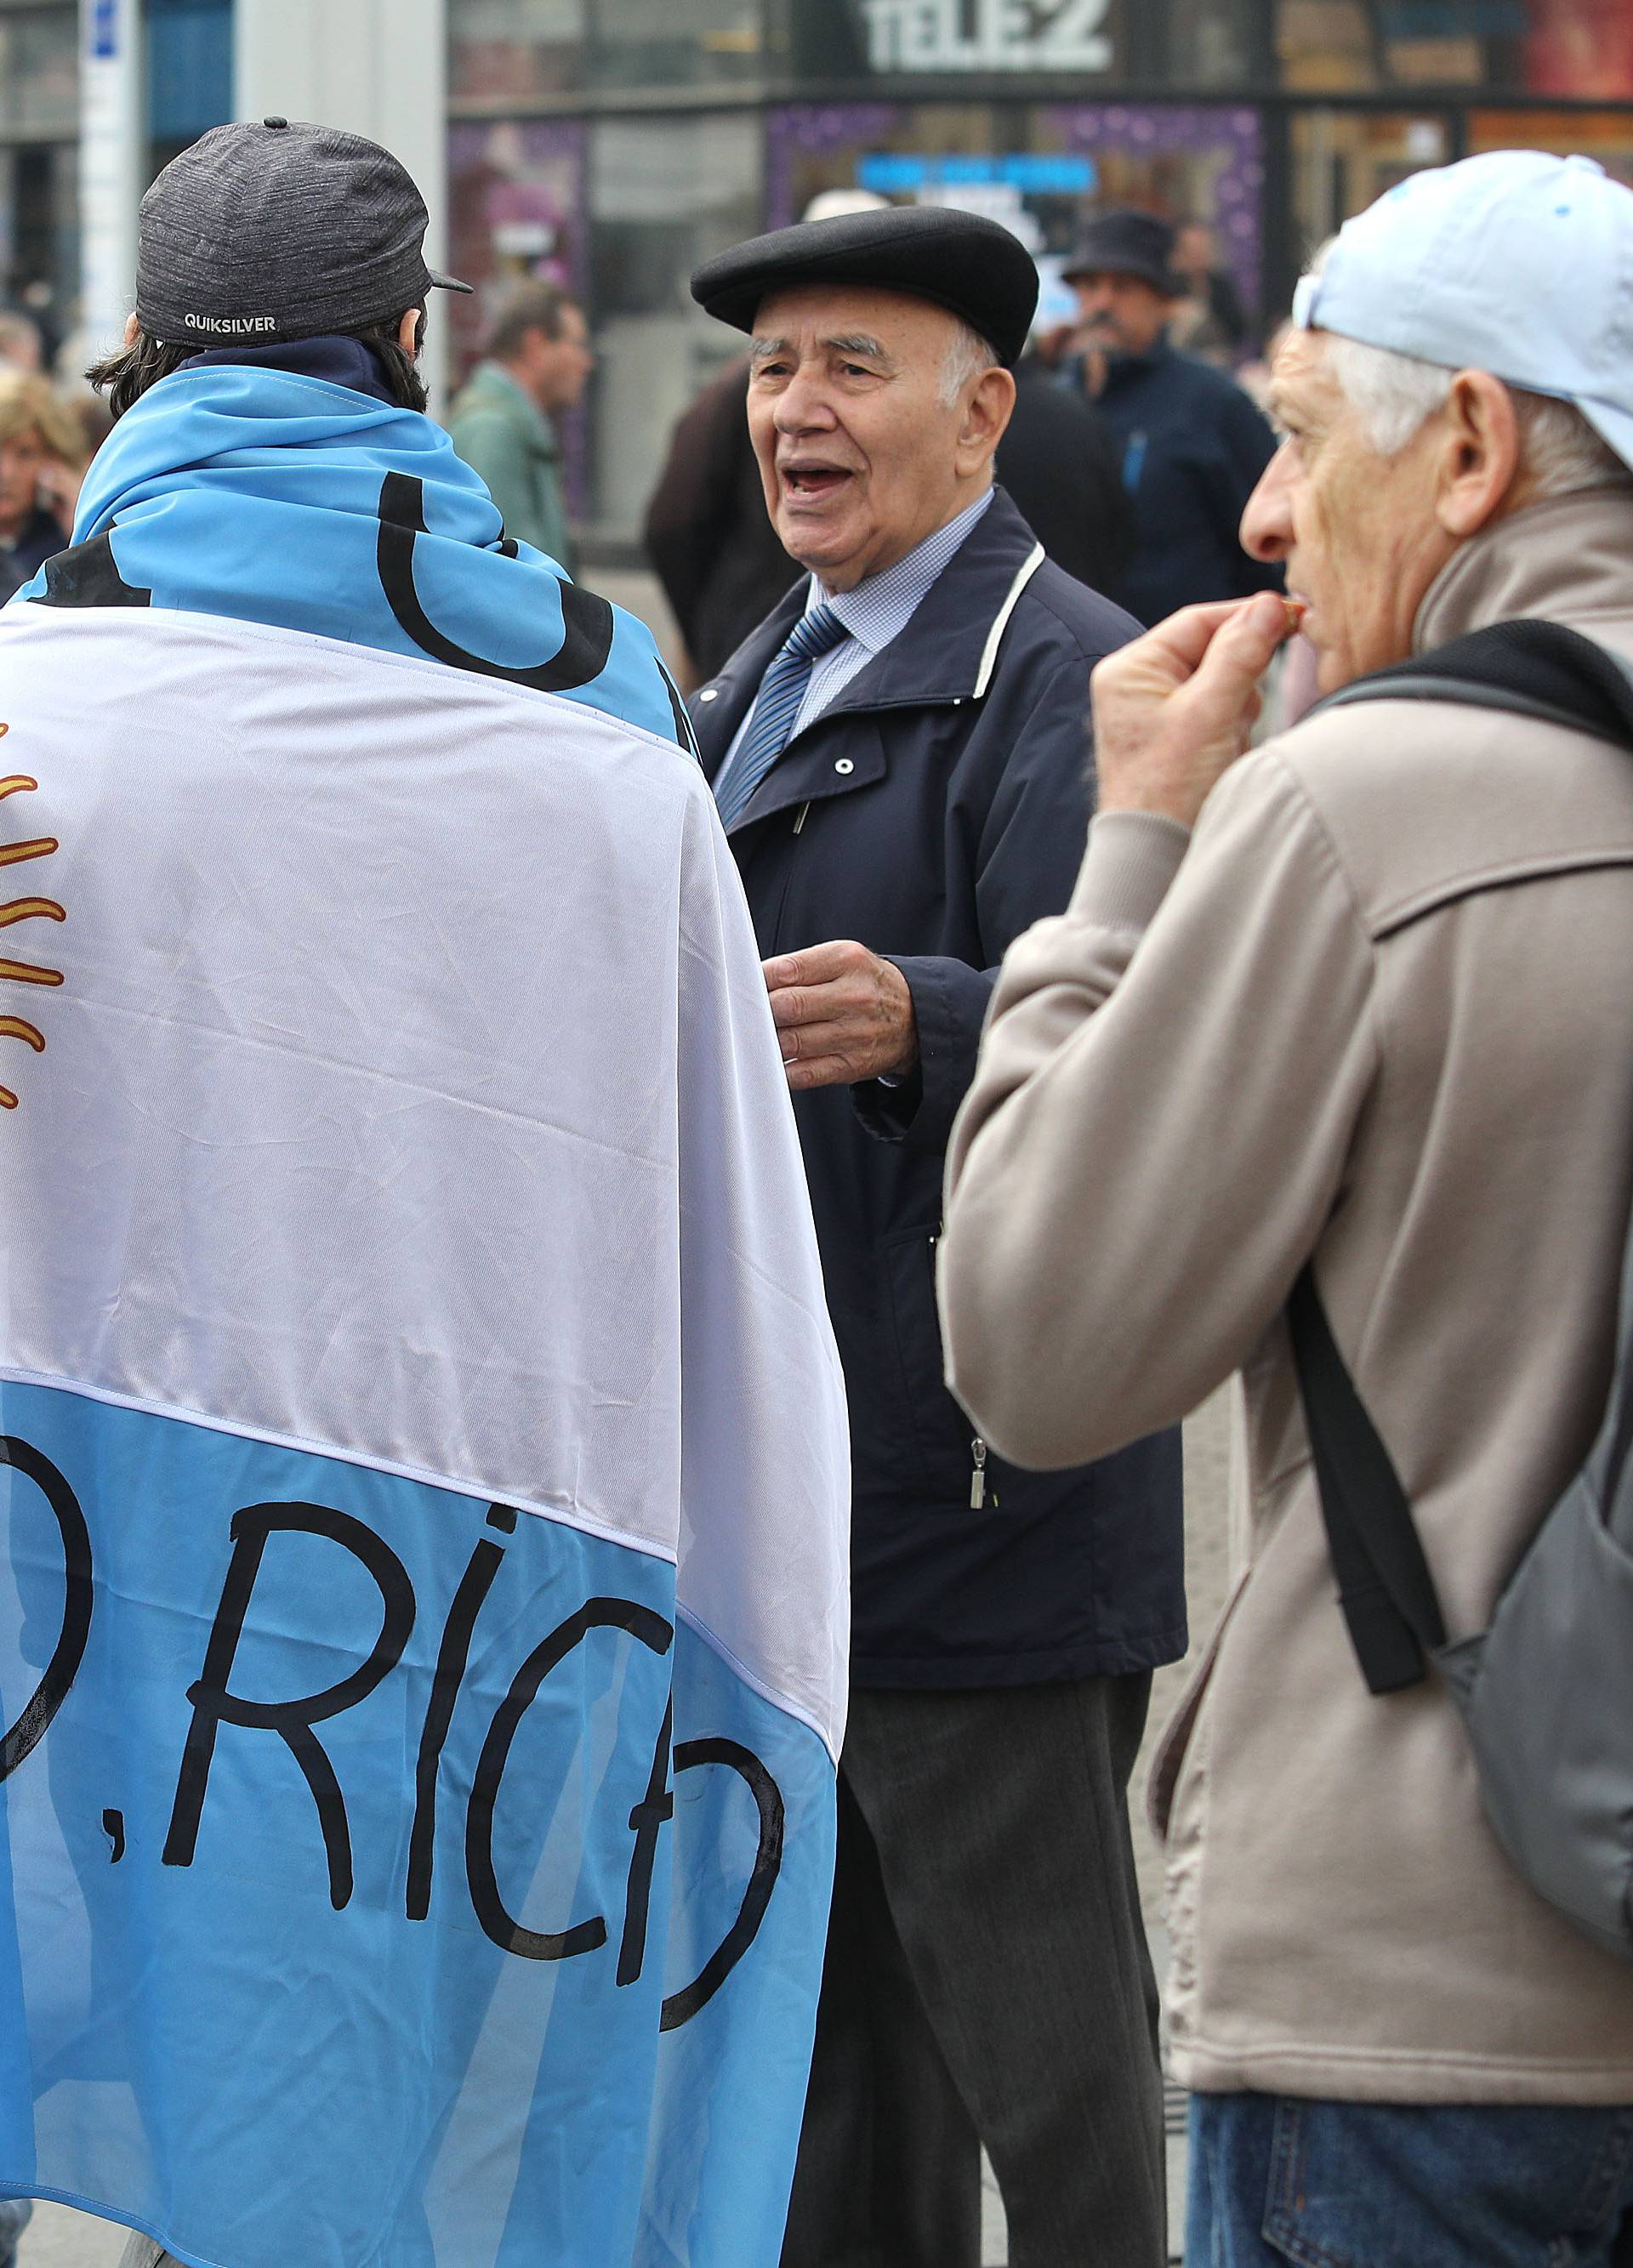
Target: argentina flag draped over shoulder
column 422, row 1483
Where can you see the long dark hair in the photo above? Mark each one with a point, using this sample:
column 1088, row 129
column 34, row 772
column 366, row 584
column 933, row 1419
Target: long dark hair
column 125, row 377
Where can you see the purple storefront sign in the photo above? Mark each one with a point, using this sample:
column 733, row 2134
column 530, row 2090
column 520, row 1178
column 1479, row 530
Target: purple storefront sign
column 1150, row 130
column 1235, row 135
column 815, row 130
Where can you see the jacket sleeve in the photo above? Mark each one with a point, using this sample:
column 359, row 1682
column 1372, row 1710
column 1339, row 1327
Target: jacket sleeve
column 495, row 450
column 1026, row 852
column 1160, row 1123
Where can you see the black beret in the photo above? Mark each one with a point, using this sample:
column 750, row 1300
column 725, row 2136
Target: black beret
column 972, row 267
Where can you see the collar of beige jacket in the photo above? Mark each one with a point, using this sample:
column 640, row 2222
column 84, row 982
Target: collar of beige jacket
column 1566, row 559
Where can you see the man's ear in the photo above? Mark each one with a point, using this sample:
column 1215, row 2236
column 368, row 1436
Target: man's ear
column 1479, row 454
column 133, row 330
column 986, row 414
column 411, row 332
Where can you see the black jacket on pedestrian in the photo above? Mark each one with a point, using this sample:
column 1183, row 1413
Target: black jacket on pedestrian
column 708, row 535
column 1063, row 469
column 936, row 810
column 1192, row 447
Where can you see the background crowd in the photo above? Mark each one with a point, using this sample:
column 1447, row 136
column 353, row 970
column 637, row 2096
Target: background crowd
column 1137, row 439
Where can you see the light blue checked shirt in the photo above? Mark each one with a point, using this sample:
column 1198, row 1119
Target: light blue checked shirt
column 877, row 610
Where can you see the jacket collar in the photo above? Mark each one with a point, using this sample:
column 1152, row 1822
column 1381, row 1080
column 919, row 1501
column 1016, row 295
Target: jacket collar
column 1564, row 559
column 945, row 655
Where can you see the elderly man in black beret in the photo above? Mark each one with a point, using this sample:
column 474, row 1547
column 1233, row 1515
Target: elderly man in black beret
column 1192, row 445
column 899, row 754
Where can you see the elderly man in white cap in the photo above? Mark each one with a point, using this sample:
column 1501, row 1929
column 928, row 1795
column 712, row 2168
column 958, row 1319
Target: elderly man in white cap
column 1350, row 1014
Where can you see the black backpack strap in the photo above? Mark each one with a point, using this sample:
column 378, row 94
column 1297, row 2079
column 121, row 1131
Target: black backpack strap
column 1385, row 1587
column 1527, row 667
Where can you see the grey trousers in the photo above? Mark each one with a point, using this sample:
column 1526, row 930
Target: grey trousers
column 988, row 1981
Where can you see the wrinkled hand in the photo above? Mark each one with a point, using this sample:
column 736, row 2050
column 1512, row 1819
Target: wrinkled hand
column 1174, row 709
column 842, row 1015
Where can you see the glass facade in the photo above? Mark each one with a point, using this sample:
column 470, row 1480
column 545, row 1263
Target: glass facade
column 39, row 162
column 614, row 144
column 502, row 51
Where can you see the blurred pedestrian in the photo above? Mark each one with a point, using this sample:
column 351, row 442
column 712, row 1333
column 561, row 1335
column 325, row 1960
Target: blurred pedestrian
column 42, row 461
column 504, row 424
column 1061, row 469
column 21, row 347
column 1210, row 322
column 1192, row 445
column 1349, row 1014
column 898, row 755
column 711, row 541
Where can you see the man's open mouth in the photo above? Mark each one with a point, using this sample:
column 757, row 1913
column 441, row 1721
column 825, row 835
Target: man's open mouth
column 813, row 481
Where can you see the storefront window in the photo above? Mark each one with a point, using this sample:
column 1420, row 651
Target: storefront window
column 516, row 201
column 40, row 71
column 499, row 50
column 1190, row 163
column 1343, row 160
column 40, row 235
column 189, row 73
column 664, row 195
column 665, row 43
column 1216, row 43
column 1581, row 47
column 813, row 147
column 1607, row 135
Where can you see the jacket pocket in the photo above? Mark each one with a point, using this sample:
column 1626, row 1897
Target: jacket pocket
column 951, row 1460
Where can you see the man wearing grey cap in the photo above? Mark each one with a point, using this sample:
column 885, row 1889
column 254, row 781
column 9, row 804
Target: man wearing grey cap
column 1340, row 1027
column 897, row 754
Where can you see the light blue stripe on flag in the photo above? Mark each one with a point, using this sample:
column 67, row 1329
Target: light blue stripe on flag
column 340, row 1900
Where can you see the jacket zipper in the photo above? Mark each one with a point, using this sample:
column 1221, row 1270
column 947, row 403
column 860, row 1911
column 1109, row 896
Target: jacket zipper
column 977, row 1447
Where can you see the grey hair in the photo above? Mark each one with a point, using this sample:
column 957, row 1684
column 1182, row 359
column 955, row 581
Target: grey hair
column 1393, row 393
column 968, row 354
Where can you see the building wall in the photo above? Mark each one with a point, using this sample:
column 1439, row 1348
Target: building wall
column 613, row 145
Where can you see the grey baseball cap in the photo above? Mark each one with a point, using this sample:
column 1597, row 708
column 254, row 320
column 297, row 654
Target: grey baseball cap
column 276, row 231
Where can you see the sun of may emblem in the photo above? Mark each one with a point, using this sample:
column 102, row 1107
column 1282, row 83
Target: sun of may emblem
column 22, row 909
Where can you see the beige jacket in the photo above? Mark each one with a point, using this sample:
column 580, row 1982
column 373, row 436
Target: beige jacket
column 1380, row 1007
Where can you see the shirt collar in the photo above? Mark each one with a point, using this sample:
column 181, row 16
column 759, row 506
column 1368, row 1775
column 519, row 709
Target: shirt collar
column 880, row 607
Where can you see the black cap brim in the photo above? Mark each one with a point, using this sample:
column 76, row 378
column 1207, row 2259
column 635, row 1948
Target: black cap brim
column 447, row 283
column 972, row 267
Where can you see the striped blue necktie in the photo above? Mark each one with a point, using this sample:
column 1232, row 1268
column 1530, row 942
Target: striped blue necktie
column 782, row 688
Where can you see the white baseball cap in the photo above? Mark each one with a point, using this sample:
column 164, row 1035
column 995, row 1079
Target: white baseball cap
column 1516, row 262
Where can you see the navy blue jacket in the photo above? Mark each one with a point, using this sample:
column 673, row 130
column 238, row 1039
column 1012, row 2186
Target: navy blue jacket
column 1193, row 448
column 934, row 812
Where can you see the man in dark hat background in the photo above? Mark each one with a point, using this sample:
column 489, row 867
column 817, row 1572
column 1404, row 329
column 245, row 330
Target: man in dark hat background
column 1193, row 443
column 898, row 756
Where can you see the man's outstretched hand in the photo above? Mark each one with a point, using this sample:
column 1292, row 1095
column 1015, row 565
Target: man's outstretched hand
column 1173, row 710
column 842, row 1015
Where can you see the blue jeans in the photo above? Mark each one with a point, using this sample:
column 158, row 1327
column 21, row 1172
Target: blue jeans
column 1274, row 2179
